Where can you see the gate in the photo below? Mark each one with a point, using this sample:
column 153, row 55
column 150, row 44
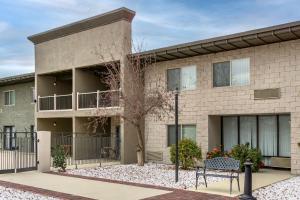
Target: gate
column 18, row 151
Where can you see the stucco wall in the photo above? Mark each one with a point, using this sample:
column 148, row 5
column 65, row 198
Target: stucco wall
column 271, row 66
column 21, row 115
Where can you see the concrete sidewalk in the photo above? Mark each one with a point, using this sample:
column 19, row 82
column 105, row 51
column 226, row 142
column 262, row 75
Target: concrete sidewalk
column 82, row 187
column 260, row 179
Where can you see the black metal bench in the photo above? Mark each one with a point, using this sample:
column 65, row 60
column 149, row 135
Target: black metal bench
column 222, row 164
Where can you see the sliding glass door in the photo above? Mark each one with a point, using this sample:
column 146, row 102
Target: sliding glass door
column 270, row 133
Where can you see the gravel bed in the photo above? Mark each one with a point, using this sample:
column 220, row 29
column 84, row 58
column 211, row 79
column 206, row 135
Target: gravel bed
column 283, row 190
column 13, row 194
column 152, row 174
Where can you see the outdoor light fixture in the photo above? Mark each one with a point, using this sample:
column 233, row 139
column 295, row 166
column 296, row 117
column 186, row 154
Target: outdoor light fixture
column 54, row 83
column 176, row 136
column 54, row 124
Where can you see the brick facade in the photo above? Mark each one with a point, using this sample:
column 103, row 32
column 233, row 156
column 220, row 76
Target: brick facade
column 271, row 66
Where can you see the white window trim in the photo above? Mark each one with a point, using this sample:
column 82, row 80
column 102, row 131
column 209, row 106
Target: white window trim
column 9, row 97
column 182, row 89
column 230, row 68
column 180, row 130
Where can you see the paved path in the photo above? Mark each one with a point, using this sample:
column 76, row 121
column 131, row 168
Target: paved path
column 82, row 187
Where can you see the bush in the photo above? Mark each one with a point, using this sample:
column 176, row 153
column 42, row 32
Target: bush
column 243, row 152
column 59, row 158
column 216, row 152
column 188, row 152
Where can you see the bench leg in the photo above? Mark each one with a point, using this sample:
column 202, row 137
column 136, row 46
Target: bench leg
column 238, row 182
column 230, row 185
column 197, row 176
column 205, row 180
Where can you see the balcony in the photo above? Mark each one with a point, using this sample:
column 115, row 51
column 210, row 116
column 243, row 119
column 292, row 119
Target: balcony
column 99, row 99
column 55, row 102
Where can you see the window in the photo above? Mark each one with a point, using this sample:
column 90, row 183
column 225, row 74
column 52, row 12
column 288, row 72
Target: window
column 184, row 78
column 270, row 133
column 32, row 95
column 231, row 73
column 184, row 132
column 9, row 98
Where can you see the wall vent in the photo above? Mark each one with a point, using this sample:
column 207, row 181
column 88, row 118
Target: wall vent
column 154, row 156
column 273, row 93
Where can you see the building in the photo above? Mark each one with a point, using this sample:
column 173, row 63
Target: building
column 17, row 108
column 239, row 88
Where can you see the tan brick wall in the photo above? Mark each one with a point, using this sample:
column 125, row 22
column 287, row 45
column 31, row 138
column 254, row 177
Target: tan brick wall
column 271, row 66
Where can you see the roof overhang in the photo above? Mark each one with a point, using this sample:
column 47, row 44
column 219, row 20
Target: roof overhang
column 257, row 37
column 23, row 78
column 83, row 25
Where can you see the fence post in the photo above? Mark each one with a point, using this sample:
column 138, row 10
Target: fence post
column 98, row 93
column 15, row 157
column 54, row 98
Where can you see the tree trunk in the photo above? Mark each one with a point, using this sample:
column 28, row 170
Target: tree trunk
column 140, row 147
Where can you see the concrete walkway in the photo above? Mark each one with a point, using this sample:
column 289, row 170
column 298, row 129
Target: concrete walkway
column 263, row 178
column 82, row 187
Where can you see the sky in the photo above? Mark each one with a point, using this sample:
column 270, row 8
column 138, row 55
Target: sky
column 158, row 23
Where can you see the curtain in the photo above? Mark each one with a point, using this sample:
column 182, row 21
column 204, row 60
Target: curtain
column 189, row 132
column 221, row 74
column 230, row 132
column 284, row 136
column 188, row 78
column 173, row 79
column 268, row 135
column 172, row 135
column 248, row 130
column 240, row 71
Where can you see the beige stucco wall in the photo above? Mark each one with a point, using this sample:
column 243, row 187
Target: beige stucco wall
column 272, row 66
column 85, row 48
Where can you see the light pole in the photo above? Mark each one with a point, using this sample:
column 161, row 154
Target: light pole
column 176, row 136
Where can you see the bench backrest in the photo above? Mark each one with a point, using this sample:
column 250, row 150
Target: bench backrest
column 222, row 163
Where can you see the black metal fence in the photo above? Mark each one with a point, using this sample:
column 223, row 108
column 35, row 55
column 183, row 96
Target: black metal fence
column 18, row 151
column 84, row 148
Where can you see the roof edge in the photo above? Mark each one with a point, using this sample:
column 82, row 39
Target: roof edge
column 122, row 13
column 17, row 79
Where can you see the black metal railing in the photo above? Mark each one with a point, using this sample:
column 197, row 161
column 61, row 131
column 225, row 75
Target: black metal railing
column 18, row 151
column 83, row 148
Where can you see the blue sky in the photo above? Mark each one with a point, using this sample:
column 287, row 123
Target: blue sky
column 157, row 23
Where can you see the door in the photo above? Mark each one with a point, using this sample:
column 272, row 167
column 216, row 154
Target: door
column 9, row 137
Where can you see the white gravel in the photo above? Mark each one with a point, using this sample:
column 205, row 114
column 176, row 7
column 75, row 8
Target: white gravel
column 13, row 194
column 284, row 190
column 152, row 174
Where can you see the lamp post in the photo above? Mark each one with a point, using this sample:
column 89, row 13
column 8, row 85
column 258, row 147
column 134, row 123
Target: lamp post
column 176, row 136
column 248, row 182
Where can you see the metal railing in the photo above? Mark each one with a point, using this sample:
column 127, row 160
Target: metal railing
column 18, row 151
column 83, row 148
column 99, row 99
column 55, row 102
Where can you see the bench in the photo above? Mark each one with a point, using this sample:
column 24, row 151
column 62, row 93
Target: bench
column 222, row 164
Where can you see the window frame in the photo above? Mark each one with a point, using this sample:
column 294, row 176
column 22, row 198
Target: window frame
column 180, row 130
column 9, row 91
column 180, row 77
column 257, row 131
column 230, row 73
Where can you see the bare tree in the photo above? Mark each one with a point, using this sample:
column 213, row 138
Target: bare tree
column 137, row 100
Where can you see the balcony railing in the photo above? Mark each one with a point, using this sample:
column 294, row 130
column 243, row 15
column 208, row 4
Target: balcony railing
column 55, row 102
column 99, row 99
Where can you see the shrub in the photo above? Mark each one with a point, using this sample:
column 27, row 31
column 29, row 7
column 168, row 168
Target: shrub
column 59, row 158
column 188, row 152
column 216, row 152
column 243, row 152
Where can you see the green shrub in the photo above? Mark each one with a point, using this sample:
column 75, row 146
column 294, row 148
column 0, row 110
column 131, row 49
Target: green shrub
column 188, row 152
column 243, row 152
column 59, row 158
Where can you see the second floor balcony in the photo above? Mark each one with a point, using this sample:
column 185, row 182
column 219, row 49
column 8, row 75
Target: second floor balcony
column 55, row 102
column 98, row 99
